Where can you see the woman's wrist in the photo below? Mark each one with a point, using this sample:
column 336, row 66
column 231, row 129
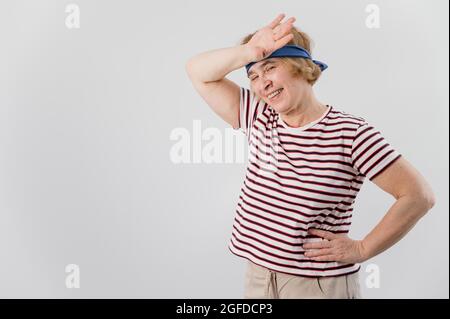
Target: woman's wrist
column 251, row 53
column 363, row 252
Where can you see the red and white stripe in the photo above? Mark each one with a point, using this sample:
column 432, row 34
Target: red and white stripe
column 298, row 179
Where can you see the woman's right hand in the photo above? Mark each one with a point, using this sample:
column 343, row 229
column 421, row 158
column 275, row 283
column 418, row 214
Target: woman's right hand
column 270, row 38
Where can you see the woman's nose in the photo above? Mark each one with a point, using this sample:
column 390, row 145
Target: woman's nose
column 266, row 84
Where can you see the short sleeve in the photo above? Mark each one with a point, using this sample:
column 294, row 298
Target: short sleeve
column 250, row 106
column 371, row 153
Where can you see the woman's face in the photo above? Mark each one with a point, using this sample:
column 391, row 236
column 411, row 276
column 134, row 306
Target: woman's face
column 271, row 75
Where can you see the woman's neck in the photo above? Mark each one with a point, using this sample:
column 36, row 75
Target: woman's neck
column 307, row 110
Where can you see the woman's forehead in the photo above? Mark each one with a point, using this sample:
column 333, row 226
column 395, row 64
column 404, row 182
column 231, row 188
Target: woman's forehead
column 266, row 61
column 262, row 63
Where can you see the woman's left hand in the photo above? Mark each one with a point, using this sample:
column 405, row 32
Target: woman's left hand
column 335, row 247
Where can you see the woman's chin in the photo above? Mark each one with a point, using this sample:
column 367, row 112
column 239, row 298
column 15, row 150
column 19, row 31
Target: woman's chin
column 279, row 108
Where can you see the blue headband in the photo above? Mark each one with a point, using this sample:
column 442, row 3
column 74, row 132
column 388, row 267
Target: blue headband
column 290, row 51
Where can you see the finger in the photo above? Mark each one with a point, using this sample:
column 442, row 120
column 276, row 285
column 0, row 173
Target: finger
column 291, row 21
column 325, row 258
column 283, row 41
column 283, row 29
column 277, row 20
column 317, row 245
column 279, row 35
column 322, row 233
column 319, row 252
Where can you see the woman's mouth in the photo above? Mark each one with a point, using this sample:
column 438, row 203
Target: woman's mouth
column 274, row 95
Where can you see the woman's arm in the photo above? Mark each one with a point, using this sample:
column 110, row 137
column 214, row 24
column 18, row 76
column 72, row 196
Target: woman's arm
column 214, row 65
column 414, row 199
column 207, row 73
column 207, row 70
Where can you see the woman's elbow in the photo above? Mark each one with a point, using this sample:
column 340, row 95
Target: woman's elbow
column 428, row 199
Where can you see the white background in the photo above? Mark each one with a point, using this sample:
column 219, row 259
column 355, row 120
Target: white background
column 85, row 120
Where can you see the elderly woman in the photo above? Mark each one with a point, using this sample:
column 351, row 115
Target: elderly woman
column 307, row 163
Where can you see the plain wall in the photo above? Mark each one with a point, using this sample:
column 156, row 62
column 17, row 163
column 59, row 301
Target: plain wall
column 86, row 116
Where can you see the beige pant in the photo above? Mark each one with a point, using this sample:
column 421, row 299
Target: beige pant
column 262, row 283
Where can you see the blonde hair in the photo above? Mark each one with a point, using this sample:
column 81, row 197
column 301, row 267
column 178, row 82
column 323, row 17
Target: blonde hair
column 301, row 67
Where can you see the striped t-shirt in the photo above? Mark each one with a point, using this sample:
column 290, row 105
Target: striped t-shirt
column 301, row 178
